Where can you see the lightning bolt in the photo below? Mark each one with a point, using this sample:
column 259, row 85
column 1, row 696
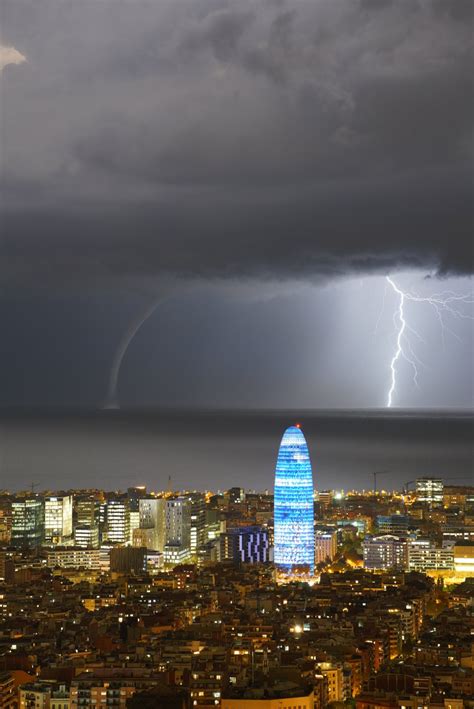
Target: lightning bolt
column 445, row 303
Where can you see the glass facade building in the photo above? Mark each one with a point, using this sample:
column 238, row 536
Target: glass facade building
column 293, row 503
column 27, row 522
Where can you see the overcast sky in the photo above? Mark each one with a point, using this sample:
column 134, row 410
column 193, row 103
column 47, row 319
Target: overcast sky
column 253, row 169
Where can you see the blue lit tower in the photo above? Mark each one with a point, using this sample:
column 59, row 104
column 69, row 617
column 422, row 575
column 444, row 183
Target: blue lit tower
column 293, row 503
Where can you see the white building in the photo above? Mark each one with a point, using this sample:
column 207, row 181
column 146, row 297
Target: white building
column 86, row 537
column 325, row 545
column 57, row 519
column 118, row 521
column 384, row 552
column 430, row 491
column 178, row 530
column 152, row 525
column 76, row 558
column 424, row 555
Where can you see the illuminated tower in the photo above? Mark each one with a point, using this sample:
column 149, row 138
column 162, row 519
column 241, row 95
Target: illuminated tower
column 293, row 503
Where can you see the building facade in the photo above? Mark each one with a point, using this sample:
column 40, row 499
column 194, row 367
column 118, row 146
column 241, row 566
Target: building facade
column 245, row 545
column 57, row 519
column 27, row 522
column 293, row 503
column 430, row 491
column 118, row 521
column 178, row 530
column 425, row 555
column 325, row 545
column 152, row 527
column 384, row 552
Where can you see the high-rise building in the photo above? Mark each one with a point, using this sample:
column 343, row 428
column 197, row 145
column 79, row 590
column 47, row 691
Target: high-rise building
column 293, row 503
column 27, row 522
column 151, row 531
column 5, row 519
column 57, row 519
column 87, row 510
column 430, row 491
column 325, row 545
column 198, row 520
column 86, row 537
column 135, row 494
column 87, row 516
column 178, row 530
column 118, row 521
column 384, row 552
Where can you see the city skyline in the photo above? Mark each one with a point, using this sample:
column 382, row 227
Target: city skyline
column 237, row 354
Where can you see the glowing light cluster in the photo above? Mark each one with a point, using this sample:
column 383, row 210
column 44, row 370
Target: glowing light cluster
column 293, row 503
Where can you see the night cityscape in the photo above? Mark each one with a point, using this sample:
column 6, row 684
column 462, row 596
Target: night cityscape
column 236, row 354
column 295, row 597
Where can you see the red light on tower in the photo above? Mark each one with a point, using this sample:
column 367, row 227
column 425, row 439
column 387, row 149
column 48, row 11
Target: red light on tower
column 298, row 425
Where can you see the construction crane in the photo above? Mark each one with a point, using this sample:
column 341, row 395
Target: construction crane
column 376, row 474
column 405, row 487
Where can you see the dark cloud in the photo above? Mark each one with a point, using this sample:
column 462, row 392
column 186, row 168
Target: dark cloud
column 204, row 138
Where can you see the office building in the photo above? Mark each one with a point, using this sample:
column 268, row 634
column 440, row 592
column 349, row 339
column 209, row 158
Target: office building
column 87, row 511
column 245, row 545
column 430, row 491
column 425, row 555
column 397, row 525
column 134, row 495
column 127, row 560
column 151, row 530
column 87, row 516
column 293, row 503
column 27, row 522
column 86, row 537
column 57, row 519
column 198, row 521
column 384, row 552
column 5, row 519
column 325, row 545
column 178, row 530
column 78, row 558
column 118, row 521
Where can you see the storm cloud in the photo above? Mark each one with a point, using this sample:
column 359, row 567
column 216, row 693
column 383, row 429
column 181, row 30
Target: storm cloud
column 210, row 139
